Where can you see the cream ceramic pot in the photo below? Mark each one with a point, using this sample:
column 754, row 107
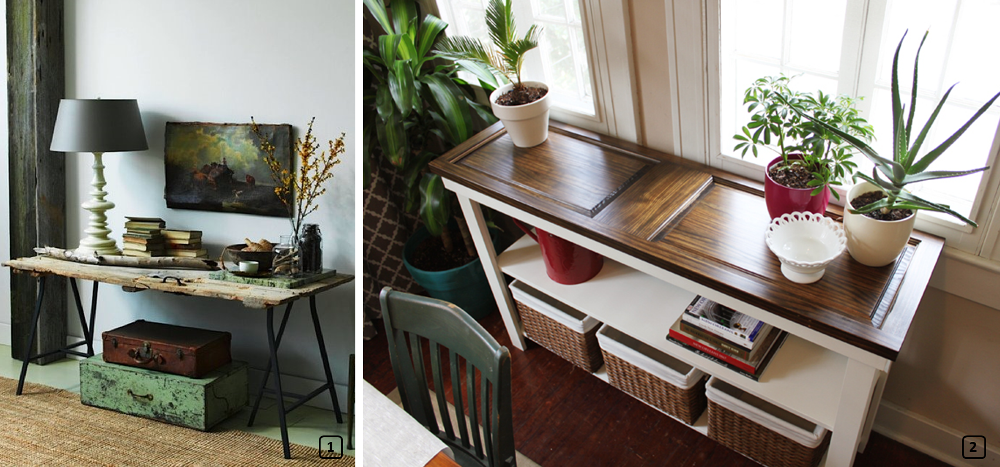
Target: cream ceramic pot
column 528, row 124
column 872, row 242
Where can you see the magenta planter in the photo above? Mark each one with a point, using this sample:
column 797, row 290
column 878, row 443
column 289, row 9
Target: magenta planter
column 565, row 262
column 783, row 200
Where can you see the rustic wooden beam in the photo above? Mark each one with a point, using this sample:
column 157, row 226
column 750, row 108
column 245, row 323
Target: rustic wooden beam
column 36, row 82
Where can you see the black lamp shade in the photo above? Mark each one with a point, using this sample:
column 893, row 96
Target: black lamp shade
column 98, row 125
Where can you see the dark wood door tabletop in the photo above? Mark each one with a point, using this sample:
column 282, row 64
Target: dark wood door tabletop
column 695, row 221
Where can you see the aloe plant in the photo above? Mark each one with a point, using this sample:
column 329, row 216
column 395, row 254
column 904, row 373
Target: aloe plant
column 506, row 56
column 415, row 110
column 904, row 167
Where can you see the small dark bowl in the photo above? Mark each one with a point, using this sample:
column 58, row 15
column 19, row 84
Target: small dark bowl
column 264, row 259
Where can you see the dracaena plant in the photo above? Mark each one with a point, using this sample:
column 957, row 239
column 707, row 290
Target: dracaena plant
column 504, row 58
column 773, row 125
column 415, row 110
column 892, row 174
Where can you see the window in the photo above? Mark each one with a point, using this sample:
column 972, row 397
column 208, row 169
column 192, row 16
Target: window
column 571, row 59
column 850, row 52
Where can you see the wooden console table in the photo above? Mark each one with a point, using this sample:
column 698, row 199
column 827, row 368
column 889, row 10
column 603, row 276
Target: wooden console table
column 671, row 229
column 193, row 283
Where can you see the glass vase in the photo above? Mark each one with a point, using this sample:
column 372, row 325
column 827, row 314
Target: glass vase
column 285, row 253
column 311, row 250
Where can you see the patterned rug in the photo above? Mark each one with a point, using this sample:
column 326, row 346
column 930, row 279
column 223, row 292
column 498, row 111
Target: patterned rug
column 48, row 426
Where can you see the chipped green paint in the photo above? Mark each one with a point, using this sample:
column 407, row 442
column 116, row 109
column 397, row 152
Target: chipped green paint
column 197, row 403
column 279, row 282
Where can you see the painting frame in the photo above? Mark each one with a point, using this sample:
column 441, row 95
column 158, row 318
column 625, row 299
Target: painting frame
column 220, row 167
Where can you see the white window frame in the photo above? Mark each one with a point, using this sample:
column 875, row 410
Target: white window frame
column 695, row 94
column 606, row 27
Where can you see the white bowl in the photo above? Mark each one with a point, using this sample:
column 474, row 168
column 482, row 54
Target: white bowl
column 805, row 243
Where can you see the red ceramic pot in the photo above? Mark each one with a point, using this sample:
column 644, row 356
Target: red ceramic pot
column 565, row 262
column 783, row 200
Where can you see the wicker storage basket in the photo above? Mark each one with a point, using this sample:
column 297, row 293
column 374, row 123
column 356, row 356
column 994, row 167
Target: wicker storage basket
column 653, row 376
column 762, row 431
column 566, row 332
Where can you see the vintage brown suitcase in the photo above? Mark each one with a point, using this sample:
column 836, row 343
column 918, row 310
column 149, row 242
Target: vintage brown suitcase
column 168, row 348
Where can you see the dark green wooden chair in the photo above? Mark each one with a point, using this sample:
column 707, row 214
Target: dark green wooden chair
column 412, row 320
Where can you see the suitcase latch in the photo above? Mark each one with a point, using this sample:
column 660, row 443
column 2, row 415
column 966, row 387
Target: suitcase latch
column 114, row 342
column 145, row 354
column 180, row 354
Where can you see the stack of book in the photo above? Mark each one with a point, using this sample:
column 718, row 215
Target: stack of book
column 186, row 243
column 721, row 334
column 143, row 236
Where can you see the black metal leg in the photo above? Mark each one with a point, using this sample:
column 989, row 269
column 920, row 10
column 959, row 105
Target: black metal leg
column 88, row 333
column 93, row 317
column 273, row 347
column 326, row 360
column 34, row 329
column 267, row 369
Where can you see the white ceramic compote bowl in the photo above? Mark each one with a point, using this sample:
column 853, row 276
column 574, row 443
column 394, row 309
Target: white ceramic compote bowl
column 805, row 243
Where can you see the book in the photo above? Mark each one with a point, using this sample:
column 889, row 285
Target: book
column 716, row 341
column 144, row 223
column 172, row 245
column 142, row 239
column 750, row 366
column 146, row 254
column 142, row 231
column 732, row 325
column 187, row 253
column 142, row 247
column 765, row 360
column 177, row 234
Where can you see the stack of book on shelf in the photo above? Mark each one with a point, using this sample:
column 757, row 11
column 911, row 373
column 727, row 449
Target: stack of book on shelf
column 728, row 337
column 186, row 243
column 143, row 236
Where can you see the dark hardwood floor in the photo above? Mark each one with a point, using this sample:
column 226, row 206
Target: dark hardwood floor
column 565, row 416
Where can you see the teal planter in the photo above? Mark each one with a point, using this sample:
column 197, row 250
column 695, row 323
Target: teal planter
column 465, row 286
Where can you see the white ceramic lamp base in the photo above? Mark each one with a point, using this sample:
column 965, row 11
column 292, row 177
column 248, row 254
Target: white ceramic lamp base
column 98, row 240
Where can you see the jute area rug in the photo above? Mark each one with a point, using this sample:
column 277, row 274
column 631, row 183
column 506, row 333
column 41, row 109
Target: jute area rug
column 521, row 459
column 47, row 426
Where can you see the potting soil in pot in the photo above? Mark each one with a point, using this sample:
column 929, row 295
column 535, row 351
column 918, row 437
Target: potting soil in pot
column 872, row 196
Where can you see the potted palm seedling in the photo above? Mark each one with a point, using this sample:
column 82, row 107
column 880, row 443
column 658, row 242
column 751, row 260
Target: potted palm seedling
column 522, row 106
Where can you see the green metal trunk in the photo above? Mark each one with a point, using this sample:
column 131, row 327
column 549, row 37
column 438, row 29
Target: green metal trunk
column 197, row 403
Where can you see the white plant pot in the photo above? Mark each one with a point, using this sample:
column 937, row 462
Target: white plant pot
column 872, row 242
column 528, row 124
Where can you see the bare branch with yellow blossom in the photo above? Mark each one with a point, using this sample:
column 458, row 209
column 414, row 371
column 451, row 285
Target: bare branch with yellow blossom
column 307, row 183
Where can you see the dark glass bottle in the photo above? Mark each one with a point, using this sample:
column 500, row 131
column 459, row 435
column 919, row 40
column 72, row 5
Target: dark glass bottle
column 311, row 249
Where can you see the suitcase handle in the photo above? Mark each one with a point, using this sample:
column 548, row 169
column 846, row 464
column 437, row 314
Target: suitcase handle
column 146, row 355
column 148, row 397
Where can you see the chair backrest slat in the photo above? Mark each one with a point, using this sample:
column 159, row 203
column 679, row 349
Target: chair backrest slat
column 409, row 320
column 439, row 390
column 456, row 389
column 470, row 383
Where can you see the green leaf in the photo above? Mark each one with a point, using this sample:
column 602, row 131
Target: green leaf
column 897, row 105
column 429, row 31
column 401, row 86
column 454, row 110
column 934, row 175
column 383, row 102
column 392, row 139
column 407, row 51
column 434, row 204
column 388, row 45
column 412, row 178
column 919, row 203
column 403, row 12
column 377, row 9
column 926, row 161
column 482, row 72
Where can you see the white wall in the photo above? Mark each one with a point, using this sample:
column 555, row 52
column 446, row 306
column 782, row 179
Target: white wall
column 221, row 61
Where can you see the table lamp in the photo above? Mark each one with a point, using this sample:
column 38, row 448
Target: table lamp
column 98, row 126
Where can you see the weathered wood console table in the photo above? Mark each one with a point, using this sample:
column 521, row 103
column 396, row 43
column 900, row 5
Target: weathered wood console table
column 671, row 229
column 193, row 283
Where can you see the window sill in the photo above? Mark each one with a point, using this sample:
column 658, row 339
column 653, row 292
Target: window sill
column 968, row 276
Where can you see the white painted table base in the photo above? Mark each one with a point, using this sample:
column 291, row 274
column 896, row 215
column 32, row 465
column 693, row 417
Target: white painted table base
column 863, row 378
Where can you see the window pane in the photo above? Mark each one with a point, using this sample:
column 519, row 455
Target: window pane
column 950, row 55
column 758, row 40
column 561, row 58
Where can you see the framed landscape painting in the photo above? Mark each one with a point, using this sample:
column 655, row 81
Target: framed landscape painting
column 220, row 167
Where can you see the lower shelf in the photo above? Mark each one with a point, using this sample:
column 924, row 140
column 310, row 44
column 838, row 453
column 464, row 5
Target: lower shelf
column 802, row 378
